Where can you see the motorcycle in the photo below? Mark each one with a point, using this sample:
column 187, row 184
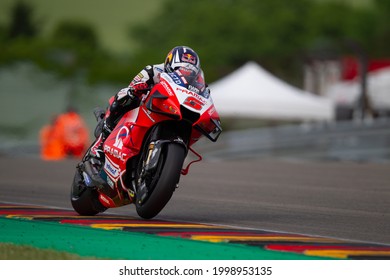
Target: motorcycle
column 146, row 151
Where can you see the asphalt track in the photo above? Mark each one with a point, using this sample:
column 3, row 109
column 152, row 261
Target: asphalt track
column 343, row 200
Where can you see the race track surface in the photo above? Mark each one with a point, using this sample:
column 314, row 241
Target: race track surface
column 345, row 201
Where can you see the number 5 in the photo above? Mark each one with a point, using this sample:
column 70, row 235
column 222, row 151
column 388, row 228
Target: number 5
column 193, row 102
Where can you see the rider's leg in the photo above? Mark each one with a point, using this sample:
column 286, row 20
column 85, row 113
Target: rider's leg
column 107, row 125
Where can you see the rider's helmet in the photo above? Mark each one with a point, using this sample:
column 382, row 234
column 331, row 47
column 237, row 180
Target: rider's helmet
column 182, row 58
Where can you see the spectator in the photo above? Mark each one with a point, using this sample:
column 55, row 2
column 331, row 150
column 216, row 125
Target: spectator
column 67, row 136
column 51, row 142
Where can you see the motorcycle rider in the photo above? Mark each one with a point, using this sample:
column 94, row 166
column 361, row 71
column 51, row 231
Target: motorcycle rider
column 180, row 57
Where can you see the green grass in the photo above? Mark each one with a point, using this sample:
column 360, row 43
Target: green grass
column 112, row 19
column 21, row 252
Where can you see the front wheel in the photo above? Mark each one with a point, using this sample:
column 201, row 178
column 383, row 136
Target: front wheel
column 167, row 176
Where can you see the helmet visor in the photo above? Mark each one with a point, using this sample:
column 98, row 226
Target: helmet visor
column 193, row 80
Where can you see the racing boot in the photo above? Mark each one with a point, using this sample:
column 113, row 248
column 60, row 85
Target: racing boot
column 97, row 150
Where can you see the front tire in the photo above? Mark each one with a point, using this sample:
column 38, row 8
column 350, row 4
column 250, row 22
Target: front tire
column 168, row 173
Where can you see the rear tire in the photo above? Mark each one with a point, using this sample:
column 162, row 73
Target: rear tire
column 169, row 174
column 84, row 200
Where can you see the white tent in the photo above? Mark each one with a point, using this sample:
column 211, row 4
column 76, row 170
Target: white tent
column 346, row 93
column 252, row 92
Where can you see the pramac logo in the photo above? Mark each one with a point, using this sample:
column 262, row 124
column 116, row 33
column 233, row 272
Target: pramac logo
column 123, row 132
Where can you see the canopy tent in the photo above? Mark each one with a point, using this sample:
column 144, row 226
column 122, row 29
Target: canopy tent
column 252, row 92
column 346, row 93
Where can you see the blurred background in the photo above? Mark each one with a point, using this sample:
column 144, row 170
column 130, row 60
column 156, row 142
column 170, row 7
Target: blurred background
column 60, row 54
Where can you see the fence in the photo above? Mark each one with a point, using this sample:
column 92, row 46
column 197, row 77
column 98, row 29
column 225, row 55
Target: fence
column 353, row 140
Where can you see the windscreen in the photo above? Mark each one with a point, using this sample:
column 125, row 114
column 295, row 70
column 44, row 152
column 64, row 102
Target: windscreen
column 190, row 80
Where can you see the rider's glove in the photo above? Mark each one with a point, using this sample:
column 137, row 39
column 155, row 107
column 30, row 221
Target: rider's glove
column 137, row 89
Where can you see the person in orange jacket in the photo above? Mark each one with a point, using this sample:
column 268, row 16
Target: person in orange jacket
column 51, row 142
column 67, row 136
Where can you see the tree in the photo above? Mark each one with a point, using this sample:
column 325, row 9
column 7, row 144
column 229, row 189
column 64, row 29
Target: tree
column 381, row 32
column 22, row 23
column 226, row 34
column 275, row 33
column 76, row 34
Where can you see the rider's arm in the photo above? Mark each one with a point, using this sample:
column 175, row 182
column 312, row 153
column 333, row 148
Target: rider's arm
column 145, row 79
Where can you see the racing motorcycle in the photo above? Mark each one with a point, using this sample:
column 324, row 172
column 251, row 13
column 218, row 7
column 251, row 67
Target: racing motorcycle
column 145, row 153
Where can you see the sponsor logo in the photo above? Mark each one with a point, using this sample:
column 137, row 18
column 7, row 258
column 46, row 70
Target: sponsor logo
column 191, row 93
column 115, row 153
column 118, row 145
column 187, row 57
column 147, row 113
column 106, row 201
column 167, row 87
column 111, row 169
column 158, row 69
column 176, row 79
column 122, row 133
column 212, row 111
column 138, row 78
column 170, row 108
column 103, row 198
column 192, row 88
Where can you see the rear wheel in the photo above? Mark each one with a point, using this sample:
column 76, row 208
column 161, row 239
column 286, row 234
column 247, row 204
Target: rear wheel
column 84, row 200
column 164, row 181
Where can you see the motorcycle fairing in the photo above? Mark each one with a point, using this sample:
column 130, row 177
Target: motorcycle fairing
column 126, row 139
column 170, row 99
